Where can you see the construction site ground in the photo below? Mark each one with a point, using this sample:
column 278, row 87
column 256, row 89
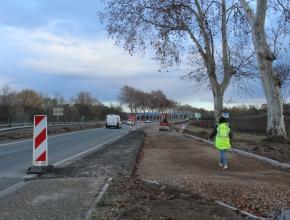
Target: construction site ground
column 250, row 185
column 134, row 199
column 250, row 142
column 177, row 177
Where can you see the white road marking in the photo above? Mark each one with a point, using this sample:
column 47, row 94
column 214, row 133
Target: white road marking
column 16, row 186
column 12, row 188
column 17, row 142
column 52, row 136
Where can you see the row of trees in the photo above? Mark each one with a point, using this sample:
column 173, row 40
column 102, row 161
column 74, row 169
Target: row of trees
column 23, row 105
column 139, row 101
column 214, row 36
column 155, row 101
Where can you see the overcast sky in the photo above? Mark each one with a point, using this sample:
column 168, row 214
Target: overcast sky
column 60, row 46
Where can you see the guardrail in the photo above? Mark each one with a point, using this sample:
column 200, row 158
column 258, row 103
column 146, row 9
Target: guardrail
column 13, row 129
column 14, row 124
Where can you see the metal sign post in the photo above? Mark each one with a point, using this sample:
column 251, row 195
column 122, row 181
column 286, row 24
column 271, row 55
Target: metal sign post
column 197, row 115
column 57, row 112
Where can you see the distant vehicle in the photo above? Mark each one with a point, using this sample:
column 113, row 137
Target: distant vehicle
column 113, row 121
column 164, row 125
column 147, row 121
column 130, row 122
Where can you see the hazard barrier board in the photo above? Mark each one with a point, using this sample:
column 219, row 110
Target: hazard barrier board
column 132, row 118
column 40, row 141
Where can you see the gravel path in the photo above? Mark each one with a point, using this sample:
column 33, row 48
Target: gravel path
column 249, row 184
column 66, row 199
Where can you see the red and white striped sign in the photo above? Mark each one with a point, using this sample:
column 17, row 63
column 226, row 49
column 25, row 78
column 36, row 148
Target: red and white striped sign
column 40, row 141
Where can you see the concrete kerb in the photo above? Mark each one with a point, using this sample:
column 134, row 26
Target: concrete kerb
column 248, row 215
column 98, row 199
column 12, row 188
column 248, row 154
column 106, row 186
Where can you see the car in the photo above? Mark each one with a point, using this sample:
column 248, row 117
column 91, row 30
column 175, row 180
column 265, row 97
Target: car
column 164, row 125
column 113, row 121
column 130, row 122
column 147, row 121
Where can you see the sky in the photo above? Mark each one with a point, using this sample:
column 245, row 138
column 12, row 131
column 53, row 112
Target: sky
column 59, row 46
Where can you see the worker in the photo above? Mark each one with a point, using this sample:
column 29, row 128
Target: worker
column 223, row 139
column 131, row 126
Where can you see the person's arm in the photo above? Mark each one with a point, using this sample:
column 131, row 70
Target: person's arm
column 231, row 135
column 213, row 133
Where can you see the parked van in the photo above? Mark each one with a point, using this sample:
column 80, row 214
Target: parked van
column 113, row 121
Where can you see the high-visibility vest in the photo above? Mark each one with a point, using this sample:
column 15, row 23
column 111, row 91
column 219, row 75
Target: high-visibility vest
column 222, row 140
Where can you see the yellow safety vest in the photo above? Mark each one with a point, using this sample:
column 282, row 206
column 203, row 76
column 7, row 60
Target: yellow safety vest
column 222, row 140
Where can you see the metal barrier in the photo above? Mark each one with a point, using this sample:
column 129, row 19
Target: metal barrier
column 13, row 129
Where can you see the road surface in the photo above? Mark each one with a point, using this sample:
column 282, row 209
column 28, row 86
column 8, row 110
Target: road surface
column 16, row 157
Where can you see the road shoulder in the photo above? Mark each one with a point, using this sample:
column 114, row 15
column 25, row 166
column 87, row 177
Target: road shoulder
column 69, row 192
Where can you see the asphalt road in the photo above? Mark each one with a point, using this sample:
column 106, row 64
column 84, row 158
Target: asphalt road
column 16, row 157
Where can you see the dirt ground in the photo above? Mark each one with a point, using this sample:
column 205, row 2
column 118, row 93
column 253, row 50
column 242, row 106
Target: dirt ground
column 130, row 198
column 250, row 185
column 251, row 143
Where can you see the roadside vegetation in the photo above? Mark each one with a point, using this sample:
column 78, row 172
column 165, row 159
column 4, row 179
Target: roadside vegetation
column 21, row 106
column 155, row 102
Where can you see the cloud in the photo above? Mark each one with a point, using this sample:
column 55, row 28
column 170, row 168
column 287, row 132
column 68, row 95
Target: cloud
column 68, row 63
column 47, row 52
column 5, row 80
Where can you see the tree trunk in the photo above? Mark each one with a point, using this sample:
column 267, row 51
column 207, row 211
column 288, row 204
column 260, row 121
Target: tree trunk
column 218, row 103
column 275, row 117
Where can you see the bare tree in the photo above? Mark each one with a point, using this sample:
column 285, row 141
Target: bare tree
column 256, row 18
column 179, row 27
column 7, row 98
column 23, row 105
column 84, row 102
column 127, row 97
column 282, row 75
column 31, row 102
column 140, row 101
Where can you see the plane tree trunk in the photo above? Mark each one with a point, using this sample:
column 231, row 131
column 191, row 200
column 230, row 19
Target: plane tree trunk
column 265, row 57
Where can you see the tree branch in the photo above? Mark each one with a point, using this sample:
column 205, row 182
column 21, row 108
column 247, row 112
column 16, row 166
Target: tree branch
column 261, row 9
column 248, row 10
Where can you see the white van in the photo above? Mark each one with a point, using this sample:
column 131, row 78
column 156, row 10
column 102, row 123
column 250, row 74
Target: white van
column 113, row 121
